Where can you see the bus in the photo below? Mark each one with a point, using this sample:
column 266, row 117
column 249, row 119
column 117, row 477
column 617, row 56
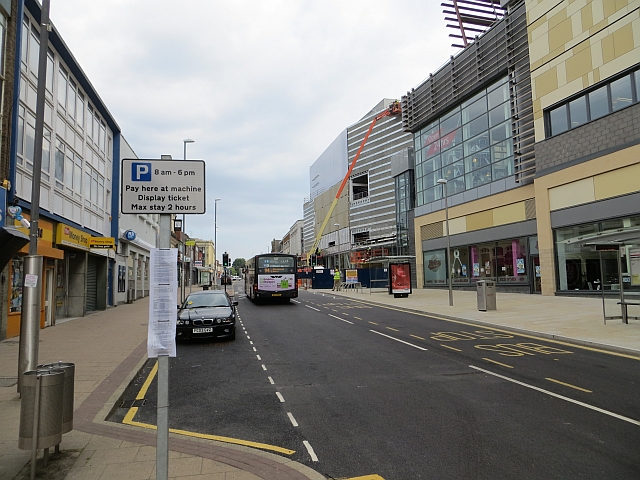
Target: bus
column 271, row 276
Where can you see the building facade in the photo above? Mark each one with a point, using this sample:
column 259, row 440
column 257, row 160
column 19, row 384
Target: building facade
column 79, row 186
column 534, row 128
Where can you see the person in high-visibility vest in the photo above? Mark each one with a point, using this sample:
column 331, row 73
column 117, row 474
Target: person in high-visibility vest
column 336, row 280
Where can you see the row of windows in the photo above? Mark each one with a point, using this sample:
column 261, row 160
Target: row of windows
column 70, row 98
column 615, row 95
column 62, row 166
column 469, row 146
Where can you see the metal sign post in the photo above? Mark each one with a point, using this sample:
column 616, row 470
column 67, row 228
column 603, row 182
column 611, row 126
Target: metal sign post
column 166, row 187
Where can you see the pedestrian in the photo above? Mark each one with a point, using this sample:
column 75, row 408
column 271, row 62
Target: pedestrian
column 336, row 280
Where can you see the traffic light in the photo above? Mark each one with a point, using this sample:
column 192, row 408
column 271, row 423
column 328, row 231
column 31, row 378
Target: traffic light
column 225, row 260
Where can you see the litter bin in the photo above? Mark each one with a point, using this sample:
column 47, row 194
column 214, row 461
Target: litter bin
column 41, row 406
column 486, row 295
column 67, row 398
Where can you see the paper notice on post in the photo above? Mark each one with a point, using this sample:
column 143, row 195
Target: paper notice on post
column 163, row 296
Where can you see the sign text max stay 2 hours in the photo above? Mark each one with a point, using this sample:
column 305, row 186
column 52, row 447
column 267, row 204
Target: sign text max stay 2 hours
column 163, row 186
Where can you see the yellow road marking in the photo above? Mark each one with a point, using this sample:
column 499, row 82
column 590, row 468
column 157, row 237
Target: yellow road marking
column 393, row 329
column 497, row 363
column 416, row 336
column 367, row 477
column 451, row 348
column 524, row 335
column 374, row 323
column 147, row 382
column 569, row 385
column 131, row 413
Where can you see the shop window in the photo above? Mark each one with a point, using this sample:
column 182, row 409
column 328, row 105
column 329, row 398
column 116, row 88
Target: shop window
column 579, row 266
column 482, row 261
column 435, row 267
column 459, row 262
column 511, row 261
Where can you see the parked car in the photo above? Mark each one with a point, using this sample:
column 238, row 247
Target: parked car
column 207, row 314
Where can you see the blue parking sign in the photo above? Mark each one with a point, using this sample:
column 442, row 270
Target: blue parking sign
column 140, row 172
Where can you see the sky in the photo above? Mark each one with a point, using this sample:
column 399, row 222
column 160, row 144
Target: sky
column 262, row 86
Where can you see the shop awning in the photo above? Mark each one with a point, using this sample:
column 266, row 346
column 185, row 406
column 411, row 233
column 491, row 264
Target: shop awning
column 620, row 236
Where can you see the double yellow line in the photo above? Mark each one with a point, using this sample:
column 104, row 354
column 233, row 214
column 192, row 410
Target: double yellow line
column 129, row 420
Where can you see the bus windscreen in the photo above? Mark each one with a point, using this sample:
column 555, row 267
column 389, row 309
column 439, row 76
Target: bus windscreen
column 276, row 265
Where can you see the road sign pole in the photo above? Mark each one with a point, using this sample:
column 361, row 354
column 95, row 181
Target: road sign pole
column 162, row 408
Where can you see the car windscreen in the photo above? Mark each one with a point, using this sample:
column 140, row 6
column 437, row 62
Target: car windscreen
column 211, row 300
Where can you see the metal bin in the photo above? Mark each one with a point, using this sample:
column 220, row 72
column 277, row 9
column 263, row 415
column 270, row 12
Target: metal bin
column 67, row 399
column 486, row 290
column 41, row 402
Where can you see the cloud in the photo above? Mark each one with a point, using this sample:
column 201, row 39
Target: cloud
column 263, row 87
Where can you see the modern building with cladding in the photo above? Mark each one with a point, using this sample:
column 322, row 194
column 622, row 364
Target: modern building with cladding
column 372, row 198
column 535, row 128
column 585, row 69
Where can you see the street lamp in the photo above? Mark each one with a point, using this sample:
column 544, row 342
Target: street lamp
column 184, row 230
column 443, row 182
column 215, row 240
column 338, row 225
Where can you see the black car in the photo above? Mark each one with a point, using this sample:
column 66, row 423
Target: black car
column 226, row 280
column 207, row 314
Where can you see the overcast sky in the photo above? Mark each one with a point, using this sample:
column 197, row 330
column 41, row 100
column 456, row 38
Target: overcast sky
column 262, row 86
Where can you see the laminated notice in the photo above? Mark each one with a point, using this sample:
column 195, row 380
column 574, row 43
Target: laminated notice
column 163, row 309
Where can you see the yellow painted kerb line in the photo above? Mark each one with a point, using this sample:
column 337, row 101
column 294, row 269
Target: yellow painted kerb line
column 128, row 420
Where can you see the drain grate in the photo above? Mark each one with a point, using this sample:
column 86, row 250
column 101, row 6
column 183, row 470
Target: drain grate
column 132, row 403
column 8, row 381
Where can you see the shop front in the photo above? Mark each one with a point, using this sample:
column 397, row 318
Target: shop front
column 51, row 256
column 512, row 263
column 580, row 265
column 82, row 277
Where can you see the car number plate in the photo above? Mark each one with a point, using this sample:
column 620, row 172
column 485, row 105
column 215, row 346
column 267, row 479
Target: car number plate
column 276, row 294
column 203, row 330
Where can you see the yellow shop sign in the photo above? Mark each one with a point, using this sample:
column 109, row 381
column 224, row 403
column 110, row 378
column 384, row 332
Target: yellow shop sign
column 72, row 237
column 102, row 242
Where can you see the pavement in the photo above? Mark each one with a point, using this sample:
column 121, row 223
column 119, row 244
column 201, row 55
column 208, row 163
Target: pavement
column 108, row 349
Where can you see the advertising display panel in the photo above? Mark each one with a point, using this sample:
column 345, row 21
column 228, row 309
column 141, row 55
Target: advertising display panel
column 400, row 279
column 276, row 283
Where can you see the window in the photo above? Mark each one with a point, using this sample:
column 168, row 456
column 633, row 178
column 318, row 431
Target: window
column 598, row 103
column 360, row 187
column 558, row 120
column 578, row 111
column 435, row 267
column 59, row 167
column 621, row 95
column 458, row 146
column 80, row 110
column 615, row 95
column 34, row 52
column 46, row 150
column 62, row 88
column 50, row 65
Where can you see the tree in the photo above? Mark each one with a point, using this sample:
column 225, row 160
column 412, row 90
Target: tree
column 238, row 264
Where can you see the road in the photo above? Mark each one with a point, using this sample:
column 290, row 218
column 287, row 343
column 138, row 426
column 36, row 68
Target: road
column 354, row 389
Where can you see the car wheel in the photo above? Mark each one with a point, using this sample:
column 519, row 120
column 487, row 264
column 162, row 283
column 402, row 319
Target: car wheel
column 233, row 336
